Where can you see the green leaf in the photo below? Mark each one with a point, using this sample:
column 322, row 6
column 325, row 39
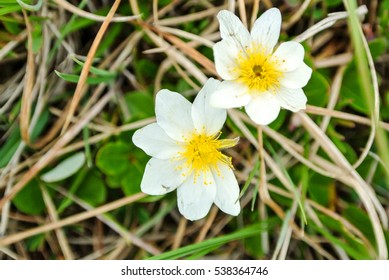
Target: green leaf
column 253, row 246
column 286, row 173
column 11, row 25
column 65, row 169
column 92, row 189
column 109, row 38
column 355, row 249
column 73, row 78
column 10, row 147
column 40, row 125
column 30, row 200
column 162, row 3
column 279, row 121
column 342, row 145
column 96, row 71
column 378, row 47
column 76, row 25
column 385, row 5
column 114, row 181
column 131, row 180
column 351, row 91
column 360, row 220
column 76, row 183
column 293, row 3
column 113, row 158
column 35, row 242
column 333, row 3
column 14, row 139
column 183, row 86
column 10, row 9
column 317, row 89
column 7, row 2
column 37, row 37
column 145, row 69
column 140, row 105
column 321, row 189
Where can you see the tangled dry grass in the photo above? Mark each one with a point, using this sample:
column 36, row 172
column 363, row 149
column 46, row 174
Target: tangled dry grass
column 314, row 184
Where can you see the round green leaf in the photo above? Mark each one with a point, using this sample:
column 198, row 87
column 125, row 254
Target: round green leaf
column 131, row 181
column 113, row 158
column 92, row 189
column 317, row 90
column 30, row 200
column 140, row 104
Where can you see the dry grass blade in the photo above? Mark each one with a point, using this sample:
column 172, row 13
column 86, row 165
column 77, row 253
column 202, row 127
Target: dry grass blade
column 87, row 65
column 27, row 97
column 342, row 115
column 254, row 12
column 10, row 239
column 334, row 95
column 334, row 60
column 185, row 48
column 191, row 17
column 53, row 152
column 297, row 15
column 242, row 12
column 207, row 225
column 310, row 203
column 180, row 233
column 177, row 56
column 360, row 187
column 77, row 11
column 327, row 22
column 127, row 236
column 186, row 35
column 12, row 44
column 63, row 242
column 336, row 212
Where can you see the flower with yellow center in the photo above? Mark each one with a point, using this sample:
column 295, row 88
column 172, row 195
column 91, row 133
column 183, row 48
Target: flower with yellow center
column 254, row 76
column 187, row 154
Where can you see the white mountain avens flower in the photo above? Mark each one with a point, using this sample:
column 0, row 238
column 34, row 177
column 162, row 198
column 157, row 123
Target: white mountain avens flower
column 186, row 152
column 254, row 75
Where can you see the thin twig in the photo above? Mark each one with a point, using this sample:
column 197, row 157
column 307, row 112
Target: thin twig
column 71, row 220
column 77, row 11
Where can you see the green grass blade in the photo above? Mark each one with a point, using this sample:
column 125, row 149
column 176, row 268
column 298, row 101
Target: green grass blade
column 217, row 241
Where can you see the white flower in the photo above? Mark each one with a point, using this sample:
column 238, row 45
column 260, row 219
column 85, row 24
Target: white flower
column 186, row 154
column 255, row 76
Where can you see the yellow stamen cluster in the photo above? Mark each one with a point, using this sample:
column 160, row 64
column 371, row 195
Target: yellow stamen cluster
column 257, row 71
column 203, row 152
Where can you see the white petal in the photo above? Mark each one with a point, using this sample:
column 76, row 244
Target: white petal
column 263, row 109
column 226, row 53
column 266, row 29
column 297, row 78
column 289, row 55
column 155, row 142
column 194, row 198
column 292, row 99
column 232, row 28
column 227, row 190
column 162, row 176
column 173, row 114
column 206, row 118
column 230, row 94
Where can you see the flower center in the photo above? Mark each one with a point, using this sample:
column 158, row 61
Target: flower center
column 258, row 70
column 203, row 152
